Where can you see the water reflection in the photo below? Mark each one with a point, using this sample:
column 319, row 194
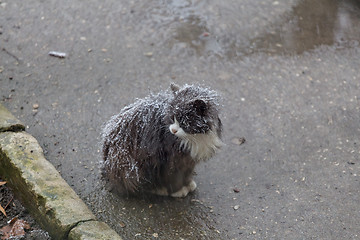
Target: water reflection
column 194, row 33
column 144, row 217
column 309, row 25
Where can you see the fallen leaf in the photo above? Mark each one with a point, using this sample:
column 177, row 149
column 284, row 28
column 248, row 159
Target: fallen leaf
column 13, row 220
column 2, row 183
column 16, row 228
column 5, row 232
column 122, row 224
column 2, row 210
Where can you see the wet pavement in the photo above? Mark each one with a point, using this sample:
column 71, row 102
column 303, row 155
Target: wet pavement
column 289, row 75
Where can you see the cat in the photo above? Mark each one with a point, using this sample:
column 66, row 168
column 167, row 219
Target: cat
column 154, row 144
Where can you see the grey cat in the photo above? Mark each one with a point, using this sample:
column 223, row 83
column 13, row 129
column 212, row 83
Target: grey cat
column 154, row 144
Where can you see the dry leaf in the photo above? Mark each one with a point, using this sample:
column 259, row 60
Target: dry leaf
column 5, row 232
column 13, row 220
column 122, row 224
column 16, row 228
column 2, row 210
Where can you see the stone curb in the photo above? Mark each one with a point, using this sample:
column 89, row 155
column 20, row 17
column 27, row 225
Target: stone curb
column 8, row 122
column 42, row 190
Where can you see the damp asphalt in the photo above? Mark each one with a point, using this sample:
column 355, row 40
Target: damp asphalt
column 288, row 72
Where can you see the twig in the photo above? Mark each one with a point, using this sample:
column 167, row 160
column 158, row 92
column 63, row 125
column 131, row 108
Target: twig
column 9, row 202
column 12, row 55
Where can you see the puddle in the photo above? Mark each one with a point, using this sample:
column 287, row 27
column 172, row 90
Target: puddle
column 146, row 217
column 312, row 24
column 308, row 25
column 194, row 33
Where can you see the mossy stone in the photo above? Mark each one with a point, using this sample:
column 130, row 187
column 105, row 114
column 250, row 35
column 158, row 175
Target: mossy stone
column 36, row 182
column 8, row 122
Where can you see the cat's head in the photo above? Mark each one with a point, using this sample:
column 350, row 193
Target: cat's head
column 193, row 110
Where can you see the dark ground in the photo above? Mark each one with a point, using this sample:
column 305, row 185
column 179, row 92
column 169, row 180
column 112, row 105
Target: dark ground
column 288, row 72
column 15, row 209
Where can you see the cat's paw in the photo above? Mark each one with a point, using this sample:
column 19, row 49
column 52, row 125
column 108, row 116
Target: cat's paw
column 192, row 186
column 183, row 192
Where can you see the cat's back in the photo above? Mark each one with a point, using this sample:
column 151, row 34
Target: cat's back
column 137, row 120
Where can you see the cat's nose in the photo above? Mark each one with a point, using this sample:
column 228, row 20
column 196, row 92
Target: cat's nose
column 174, row 131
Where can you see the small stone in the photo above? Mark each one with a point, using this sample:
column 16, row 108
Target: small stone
column 238, row 141
column 57, row 54
column 155, row 235
column 205, row 34
column 122, row 224
column 236, row 207
column 148, row 54
column 35, row 106
column 236, row 190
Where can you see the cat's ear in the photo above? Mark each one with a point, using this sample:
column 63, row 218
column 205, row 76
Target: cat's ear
column 200, row 106
column 174, row 88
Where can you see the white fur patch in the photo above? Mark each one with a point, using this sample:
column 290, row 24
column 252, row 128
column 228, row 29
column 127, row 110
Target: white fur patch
column 201, row 146
column 183, row 192
column 176, row 129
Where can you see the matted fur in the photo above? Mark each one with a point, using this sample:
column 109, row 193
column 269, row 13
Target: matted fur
column 142, row 153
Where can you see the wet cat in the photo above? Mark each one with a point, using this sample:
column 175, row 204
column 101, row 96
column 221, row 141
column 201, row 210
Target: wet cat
column 154, row 144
